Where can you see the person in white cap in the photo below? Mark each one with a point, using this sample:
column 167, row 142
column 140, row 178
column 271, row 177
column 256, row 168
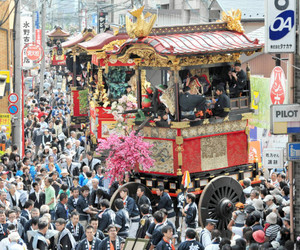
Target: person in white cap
column 273, row 229
column 16, row 243
column 66, row 178
column 269, row 200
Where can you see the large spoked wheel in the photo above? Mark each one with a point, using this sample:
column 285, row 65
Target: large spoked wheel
column 218, row 199
column 132, row 187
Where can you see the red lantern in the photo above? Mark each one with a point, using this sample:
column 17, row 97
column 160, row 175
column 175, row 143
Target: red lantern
column 146, row 103
column 149, row 90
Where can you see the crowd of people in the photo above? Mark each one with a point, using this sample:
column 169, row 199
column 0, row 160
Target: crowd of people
column 58, row 196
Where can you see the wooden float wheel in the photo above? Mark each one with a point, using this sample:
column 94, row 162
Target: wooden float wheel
column 218, row 199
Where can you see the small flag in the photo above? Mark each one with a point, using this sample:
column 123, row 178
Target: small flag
column 186, row 179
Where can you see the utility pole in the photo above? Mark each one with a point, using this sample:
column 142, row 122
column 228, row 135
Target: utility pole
column 17, row 120
column 79, row 14
column 42, row 68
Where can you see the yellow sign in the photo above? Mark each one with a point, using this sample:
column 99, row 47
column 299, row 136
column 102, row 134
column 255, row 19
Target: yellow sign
column 5, row 120
column 5, row 72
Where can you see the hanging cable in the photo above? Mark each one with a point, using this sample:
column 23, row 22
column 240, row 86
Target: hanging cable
column 9, row 13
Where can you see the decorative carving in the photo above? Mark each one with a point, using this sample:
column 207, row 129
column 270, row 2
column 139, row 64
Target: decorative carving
column 162, row 153
column 180, row 124
column 179, row 149
column 111, row 46
column 153, row 59
column 214, row 152
column 233, row 20
column 155, row 132
column 216, row 128
column 149, row 56
column 141, row 27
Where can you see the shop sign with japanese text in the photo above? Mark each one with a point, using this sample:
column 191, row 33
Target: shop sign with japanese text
column 273, row 158
column 26, row 37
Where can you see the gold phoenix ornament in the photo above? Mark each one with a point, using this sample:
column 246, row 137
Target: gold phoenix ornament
column 141, row 27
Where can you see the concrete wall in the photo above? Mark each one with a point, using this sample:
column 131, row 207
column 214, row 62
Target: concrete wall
column 178, row 12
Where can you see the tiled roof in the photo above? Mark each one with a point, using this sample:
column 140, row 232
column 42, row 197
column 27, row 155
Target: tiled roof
column 214, row 42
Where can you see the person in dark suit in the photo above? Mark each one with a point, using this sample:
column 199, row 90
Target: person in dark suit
column 237, row 80
column 61, row 210
column 65, row 240
column 142, row 198
column 39, row 241
column 133, row 211
column 37, row 196
column 222, row 105
column 166, row 242
column 90, row 242
column 96, row 196
column 112, row 241
column 122, row 221
column 75, row 227
column 72, row 201
column 106, row 217
column 35, row 212
column 190, row 212
column 188, row 103
column 27, row 209
column 145, row 221
column 191, row 242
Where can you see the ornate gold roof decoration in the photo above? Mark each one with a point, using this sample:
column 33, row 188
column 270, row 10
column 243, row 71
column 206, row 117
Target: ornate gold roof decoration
column 141, row 27
column 112, row 45
column 233, row 20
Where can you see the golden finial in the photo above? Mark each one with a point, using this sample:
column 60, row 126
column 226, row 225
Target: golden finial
column 141, row 27
column 233, row 20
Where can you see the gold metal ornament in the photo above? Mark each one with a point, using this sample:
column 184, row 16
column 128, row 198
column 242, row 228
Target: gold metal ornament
column 233, row 20
column 141, row 27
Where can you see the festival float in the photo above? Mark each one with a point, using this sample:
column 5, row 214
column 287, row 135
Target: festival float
column 110, row 78
column 213, row 151
column 78, row 63
column 55, row 38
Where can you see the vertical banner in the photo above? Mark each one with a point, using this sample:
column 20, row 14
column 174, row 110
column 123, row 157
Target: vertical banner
column 37, row 20
column 26, row 37
column 5, row 120
column 102, row 21
column 280, row 26
column 38, row 36
column 83, row 20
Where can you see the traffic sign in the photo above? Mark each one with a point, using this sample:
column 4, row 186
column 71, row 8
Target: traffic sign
column 293, row 150
column 13, row 109
column 13, row 98
column 33, row 52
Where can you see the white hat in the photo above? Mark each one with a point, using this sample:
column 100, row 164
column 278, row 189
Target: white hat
column 275, row 244
column 275, row 191
column 258, row 204
column 268, row 198
column 278, row 198
column 64, row 171
column 272, row 218
column 287, row 210
column 14, row 237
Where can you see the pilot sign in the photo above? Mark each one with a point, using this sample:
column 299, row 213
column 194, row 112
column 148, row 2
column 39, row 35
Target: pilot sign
column 280, row 26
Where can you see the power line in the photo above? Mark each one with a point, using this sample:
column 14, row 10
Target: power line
column 9, row 13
